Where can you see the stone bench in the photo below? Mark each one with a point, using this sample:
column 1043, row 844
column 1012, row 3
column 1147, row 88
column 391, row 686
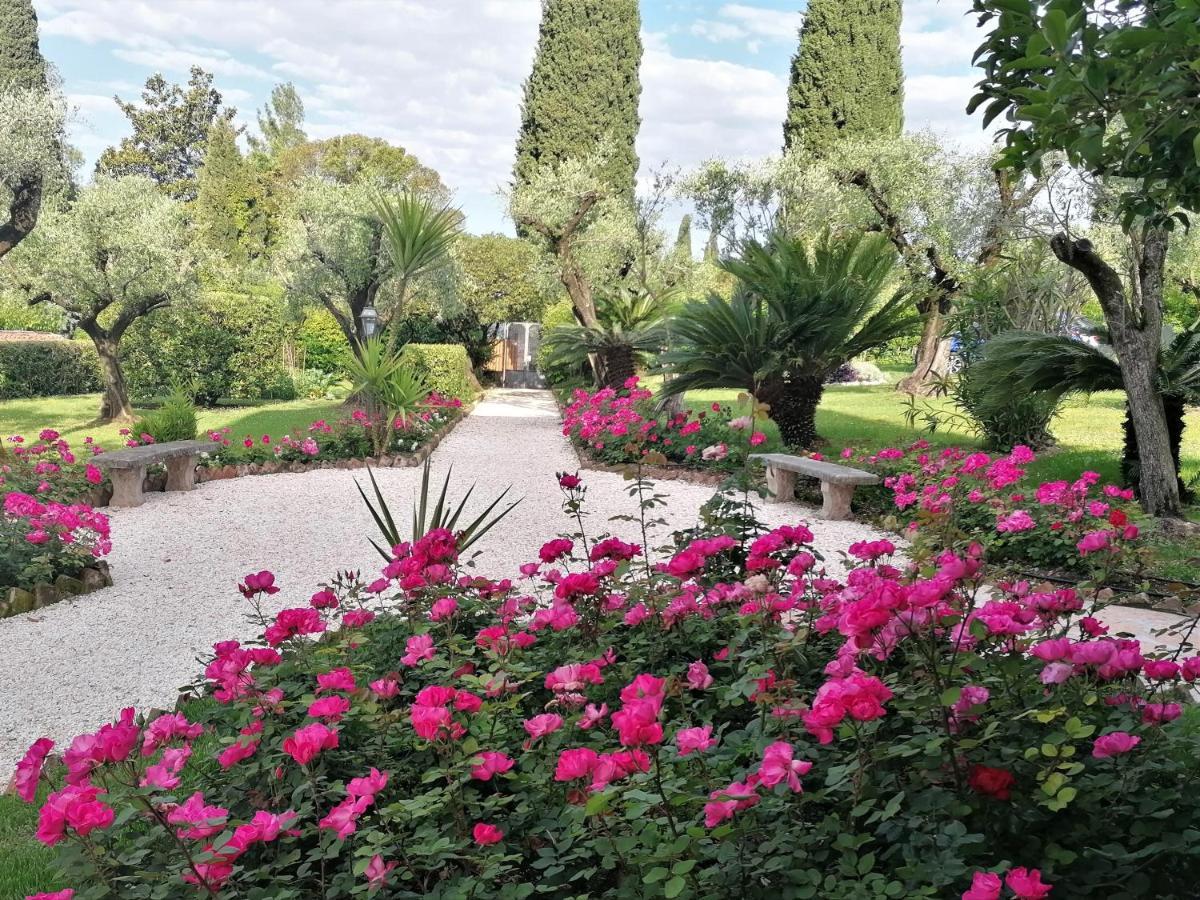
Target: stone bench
column 837, row 482
column 127, row 468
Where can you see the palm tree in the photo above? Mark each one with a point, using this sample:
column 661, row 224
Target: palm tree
column 801, row 309
column 631, row 327
column 1022, row 362
column 419, row 234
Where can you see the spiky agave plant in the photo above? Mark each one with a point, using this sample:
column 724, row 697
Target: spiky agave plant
column 427, row 518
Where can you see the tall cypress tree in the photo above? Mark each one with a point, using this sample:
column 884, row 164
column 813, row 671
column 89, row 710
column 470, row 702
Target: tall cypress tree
column 584, row 87
column 847, row 79
column 21, row 62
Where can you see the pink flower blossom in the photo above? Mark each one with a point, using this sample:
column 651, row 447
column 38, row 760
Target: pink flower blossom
column 76, row 807
column 307, row 742
column 385, row 688
column 485, row 834
column 491, row 763
column 984, row 886
column 340, row 679
column 541, row 726
column 418, row 648
column 29, row 769
column 377, row 872
column 443, row 609
column 698, row 678
column 1026, row 884
column 694, row 740
column 330, row 708
column 1114, row 744
column 779, row 766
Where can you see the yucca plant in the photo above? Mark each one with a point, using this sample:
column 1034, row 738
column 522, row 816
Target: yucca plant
column 419, row 234
column 1021, row 364
column 426, row 518
column 631, row 328
column 389, row 387
column 801, row 309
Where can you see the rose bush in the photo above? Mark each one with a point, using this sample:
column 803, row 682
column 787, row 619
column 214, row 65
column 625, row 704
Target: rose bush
column 48, row 528
column 622, row 426
column 938, row 496
column 724, row 716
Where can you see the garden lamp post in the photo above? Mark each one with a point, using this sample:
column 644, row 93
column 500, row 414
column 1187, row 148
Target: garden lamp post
column 370, row 321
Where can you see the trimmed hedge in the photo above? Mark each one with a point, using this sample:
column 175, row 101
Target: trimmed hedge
column 446, row 366
column 225, row 344
column 325, row 346
column 47, row 369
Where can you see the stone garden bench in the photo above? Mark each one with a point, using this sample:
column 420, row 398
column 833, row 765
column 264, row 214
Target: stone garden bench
column 127, row 468
column 837, row 482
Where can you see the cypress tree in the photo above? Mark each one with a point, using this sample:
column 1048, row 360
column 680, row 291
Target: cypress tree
column 21, row 62
column 847, row 79
column 683, row 238
column 584, row 87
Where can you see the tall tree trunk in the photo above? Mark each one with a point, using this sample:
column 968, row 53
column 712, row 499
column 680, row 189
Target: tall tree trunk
column 933, row 354
column 617, row 365
column 795, row 411
column 1135, row 324
column 115, row 406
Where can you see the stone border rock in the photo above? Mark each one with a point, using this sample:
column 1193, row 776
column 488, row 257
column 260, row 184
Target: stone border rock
column 156, row 481
column 18, row 600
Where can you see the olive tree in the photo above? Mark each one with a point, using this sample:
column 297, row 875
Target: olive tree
column 348, row 246
column 1106, row 84
column 120, row 251
column 31, row 157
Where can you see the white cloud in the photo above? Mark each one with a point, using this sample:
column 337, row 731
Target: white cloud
column 443, row 78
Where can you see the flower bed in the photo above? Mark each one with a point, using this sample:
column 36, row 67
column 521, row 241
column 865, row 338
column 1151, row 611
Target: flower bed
column 53, row 540
column 716, row 718
column 616, row 428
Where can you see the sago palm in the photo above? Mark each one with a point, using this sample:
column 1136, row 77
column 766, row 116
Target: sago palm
column 1022, row 363
column 801, row 309
column 630, row 329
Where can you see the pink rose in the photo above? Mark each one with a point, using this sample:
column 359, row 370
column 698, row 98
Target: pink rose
column 1114, row 744
column 485, row 834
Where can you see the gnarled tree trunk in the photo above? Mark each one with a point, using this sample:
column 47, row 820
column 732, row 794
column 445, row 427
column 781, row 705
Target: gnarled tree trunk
column 1131, row 467
column 1135, row 324
column 115, row 405
column 933, row 355
column 22, row 213
column 616, row 365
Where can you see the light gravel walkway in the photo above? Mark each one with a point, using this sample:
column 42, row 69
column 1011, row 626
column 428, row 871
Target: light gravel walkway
column 177, row 559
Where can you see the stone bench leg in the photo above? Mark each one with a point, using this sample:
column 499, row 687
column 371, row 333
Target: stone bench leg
column 781, row 485
column 127, row 486
column 837, row 501
column 181, row 473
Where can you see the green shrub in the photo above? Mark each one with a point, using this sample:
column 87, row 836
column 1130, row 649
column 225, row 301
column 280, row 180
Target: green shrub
column 175, row 420
column 446, row 368
column 556, row 316
column 325, row 346
column 47, row 369
column 17, row 315
column 226, row 344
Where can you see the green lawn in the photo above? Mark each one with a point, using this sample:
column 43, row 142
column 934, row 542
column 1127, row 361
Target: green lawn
column 73, row 418
column 26, row 867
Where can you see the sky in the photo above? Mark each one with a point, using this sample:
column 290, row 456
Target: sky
column 443, row 78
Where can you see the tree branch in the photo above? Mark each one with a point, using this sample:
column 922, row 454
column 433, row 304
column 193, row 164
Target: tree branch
column 22, row 213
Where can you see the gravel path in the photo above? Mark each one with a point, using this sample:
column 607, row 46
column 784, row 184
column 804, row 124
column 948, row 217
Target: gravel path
column 176, row 560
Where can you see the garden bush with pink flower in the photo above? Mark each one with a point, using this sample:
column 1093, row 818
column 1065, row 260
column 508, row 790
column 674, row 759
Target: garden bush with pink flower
column 346, row 438
column 623, row 426
column 720, row 716
column 49, row 528
column 938, row 495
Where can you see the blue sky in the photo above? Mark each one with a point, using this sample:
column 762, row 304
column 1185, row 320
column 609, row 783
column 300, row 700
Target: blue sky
column 443, row 77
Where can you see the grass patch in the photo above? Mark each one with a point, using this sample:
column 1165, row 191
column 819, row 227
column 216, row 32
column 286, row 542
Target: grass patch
column 26, row 866
column 73, row 417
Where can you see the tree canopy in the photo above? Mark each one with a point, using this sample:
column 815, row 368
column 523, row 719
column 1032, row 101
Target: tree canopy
column 121, row 251
column 21, row 62
column 584, row 89
column 846, row 78
column 170, row 133
column 281, row 122
column 356, row 158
